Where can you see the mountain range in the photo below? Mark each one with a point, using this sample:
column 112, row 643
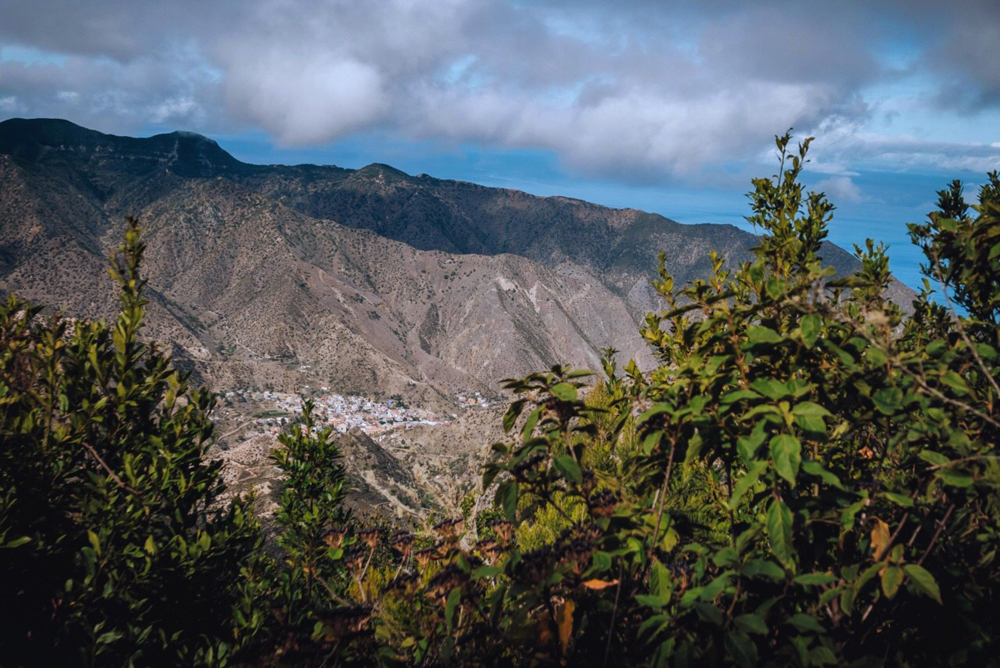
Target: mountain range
column 369, row 281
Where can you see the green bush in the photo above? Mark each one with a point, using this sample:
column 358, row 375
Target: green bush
column 807, row 479
column 114, row 546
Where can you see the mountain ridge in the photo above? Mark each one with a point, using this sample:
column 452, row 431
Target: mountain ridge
column 417, row 285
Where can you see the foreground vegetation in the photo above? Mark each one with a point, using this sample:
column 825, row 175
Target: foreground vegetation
column 808, row 478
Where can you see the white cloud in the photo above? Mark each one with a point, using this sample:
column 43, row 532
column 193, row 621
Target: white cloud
column 839, row 188
column 634, row 91
column 10, row 105
column 310, row 101
column 179, row 108
column 843, row 142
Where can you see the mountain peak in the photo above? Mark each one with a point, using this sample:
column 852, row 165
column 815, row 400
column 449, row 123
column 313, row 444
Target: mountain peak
column 183, row 153
column 20, row 135
column 384, row 172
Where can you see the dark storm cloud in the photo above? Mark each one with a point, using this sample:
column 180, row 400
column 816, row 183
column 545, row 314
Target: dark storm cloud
column 965, row 52
column 633, row 89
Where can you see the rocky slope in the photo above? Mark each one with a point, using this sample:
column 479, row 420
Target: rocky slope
column 375, row 280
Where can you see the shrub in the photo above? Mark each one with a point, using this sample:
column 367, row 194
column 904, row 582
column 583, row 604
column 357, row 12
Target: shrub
column 806, row 479
column 114, row 546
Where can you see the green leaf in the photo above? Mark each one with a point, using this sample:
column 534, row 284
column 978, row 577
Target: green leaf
column 876, row 357
column 888, row 400
column 814, row 579
column 936, row 347
column 17, row 542
column 845, row 357
column 806, row 623
column 955, row 478
column 922, row 581
column 601, row 561
column 109, row 637
column 892, row 577
column 486, row 572
column 955, row 382
column 763, row 568
column 765, row 409
column 725, row 558
column 737, row 395
column 709, row 613
column 746, row 446
column 820, row 655
column 779, row 533
column 747, row 536
column 812, row 427
column 454, row 596
column 94, row 541
column 510, row 417
column 987, row 352
column 651, row 440
column 933, row 458
column 741, row 648
column 507, row 495
column 862, row 580
column 810, row 409
column 564, row 391
column 810, row 326
column 529, row 424
column 662, row 621
column 650, row 601
column 660, row 580
column 715, row 587
column 655, row 409
column 669, row 540
column 568, row 468
column 759, row 334
column 814, row 468
column 746, row 482
column 751, row 623
column 771, row 388
column 786, row 450
column 899, row 499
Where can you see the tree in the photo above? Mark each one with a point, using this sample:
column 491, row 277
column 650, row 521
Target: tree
column 115, row 546
column 806, row 478
column 310, row 578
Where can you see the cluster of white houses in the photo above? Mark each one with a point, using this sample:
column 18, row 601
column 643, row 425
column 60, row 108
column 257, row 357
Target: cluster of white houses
column 332, row 409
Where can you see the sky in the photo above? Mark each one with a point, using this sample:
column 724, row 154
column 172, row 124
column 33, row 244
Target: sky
column 665, row 106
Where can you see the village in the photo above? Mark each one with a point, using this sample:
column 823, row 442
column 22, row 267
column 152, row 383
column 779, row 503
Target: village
column 259, row 412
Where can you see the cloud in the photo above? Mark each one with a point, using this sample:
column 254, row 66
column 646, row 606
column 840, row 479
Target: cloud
column 639, row 91
column 9, row 105
column 841, row 141
column 961, row 48
column 108, row 95
column 308, row 101
column 839, row 188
